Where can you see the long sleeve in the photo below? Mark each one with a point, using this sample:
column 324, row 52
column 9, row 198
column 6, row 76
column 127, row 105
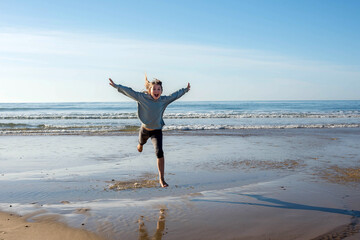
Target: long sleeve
column 176, row 95
column 129, row 92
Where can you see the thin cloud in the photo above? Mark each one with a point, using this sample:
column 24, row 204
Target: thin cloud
column 65, row 55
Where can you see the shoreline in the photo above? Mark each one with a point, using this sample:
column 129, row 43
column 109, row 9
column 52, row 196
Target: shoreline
column 183, row 130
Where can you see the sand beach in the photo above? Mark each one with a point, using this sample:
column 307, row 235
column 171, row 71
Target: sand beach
column 248, row 184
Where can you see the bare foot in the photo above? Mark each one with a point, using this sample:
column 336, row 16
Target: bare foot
column 139, row 147
column 163, row 183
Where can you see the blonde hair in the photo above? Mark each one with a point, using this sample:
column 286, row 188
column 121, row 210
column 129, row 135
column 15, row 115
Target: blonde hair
column 149, row 85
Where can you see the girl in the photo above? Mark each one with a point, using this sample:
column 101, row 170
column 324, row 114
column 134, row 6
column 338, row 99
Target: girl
column 151, row 107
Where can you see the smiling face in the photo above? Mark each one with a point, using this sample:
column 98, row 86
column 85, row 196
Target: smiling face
column 155, row 91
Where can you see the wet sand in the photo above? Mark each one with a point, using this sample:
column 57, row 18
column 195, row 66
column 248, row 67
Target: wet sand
column 271, row 184
column 14, row 227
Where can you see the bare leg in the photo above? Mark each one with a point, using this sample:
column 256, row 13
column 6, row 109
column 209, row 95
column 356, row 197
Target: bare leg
column 161, row 167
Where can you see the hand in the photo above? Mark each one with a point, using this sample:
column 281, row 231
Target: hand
column 188, row 87
column 112, row 83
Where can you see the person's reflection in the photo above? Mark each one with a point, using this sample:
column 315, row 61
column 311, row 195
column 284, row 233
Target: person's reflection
column 143, row 234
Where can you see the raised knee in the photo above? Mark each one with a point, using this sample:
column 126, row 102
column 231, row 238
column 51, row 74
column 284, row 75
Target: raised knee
column 159, row 153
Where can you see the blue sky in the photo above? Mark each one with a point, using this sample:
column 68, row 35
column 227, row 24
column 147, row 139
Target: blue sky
column 54, row 51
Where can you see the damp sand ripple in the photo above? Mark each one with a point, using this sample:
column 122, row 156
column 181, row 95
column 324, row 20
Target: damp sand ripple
column 341, row 175
column 144, row 181
column 287, row 164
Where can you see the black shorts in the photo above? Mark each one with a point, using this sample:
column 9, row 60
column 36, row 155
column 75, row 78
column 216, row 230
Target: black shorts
column 156, row 139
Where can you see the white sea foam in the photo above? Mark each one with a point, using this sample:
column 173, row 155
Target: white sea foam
column 187, row 115
column 78, row 130
column 219, row 127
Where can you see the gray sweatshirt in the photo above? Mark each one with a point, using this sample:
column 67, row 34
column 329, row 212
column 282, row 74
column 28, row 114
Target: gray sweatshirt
column 150, row 111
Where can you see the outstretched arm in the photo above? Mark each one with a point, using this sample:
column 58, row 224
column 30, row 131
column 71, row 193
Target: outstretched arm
column 178, row 94
column 126, row 91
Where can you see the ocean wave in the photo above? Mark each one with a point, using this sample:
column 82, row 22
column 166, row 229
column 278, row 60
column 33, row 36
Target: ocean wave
column 78, row 130
column 12, row 125
column 69, row 116
column 261, row 115
column 229, row 127
column 178, row 116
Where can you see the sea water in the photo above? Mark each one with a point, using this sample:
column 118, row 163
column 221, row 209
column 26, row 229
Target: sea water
column 120, row 117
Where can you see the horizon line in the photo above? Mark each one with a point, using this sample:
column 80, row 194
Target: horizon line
column 273, row 100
